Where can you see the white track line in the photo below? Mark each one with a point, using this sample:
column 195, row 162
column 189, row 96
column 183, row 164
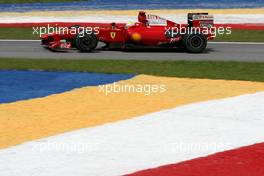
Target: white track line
column 236, row 43
column 179, row 18
column 8, row 40
column 239, row 43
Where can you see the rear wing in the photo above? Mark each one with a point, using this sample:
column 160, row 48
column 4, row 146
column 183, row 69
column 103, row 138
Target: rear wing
column 200, row 20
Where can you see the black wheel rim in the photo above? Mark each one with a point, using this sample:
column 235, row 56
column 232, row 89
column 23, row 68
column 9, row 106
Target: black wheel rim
column 86, row 41
column 196, row 41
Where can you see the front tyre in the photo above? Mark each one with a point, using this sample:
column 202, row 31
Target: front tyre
column 86, row 42
column 195, row 43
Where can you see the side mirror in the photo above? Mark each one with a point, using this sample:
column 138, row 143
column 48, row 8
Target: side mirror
column 113, row 25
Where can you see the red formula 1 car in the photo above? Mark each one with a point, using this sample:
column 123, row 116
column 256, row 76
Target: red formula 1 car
column 149, row 31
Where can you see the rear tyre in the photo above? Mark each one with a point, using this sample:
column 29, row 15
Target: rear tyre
column 86, row 42
column 195, row 43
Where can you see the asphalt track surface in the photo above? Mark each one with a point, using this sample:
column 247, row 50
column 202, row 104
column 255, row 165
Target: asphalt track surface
column 215, row 51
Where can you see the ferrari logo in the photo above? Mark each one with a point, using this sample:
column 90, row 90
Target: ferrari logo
column 113, row 35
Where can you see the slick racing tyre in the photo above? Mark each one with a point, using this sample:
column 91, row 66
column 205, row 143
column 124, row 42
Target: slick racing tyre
column 86, row 42
column 195, row 43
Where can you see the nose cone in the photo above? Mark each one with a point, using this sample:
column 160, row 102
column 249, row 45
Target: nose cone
column 45, row 36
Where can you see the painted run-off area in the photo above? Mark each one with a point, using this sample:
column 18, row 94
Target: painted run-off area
column 181, row 133
column 77, row 109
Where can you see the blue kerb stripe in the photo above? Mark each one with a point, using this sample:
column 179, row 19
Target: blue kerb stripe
column 135, row 4
column 22, row 85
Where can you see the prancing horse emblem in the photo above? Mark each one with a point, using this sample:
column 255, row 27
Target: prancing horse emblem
column 113, row 35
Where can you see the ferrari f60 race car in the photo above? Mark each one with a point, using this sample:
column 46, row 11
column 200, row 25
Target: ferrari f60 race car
column 149, row 31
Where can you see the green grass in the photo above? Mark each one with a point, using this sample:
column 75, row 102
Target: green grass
column 30, row 1
column 189, row 69
column 236, row 36
column 17, row 33
column 243, row 36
